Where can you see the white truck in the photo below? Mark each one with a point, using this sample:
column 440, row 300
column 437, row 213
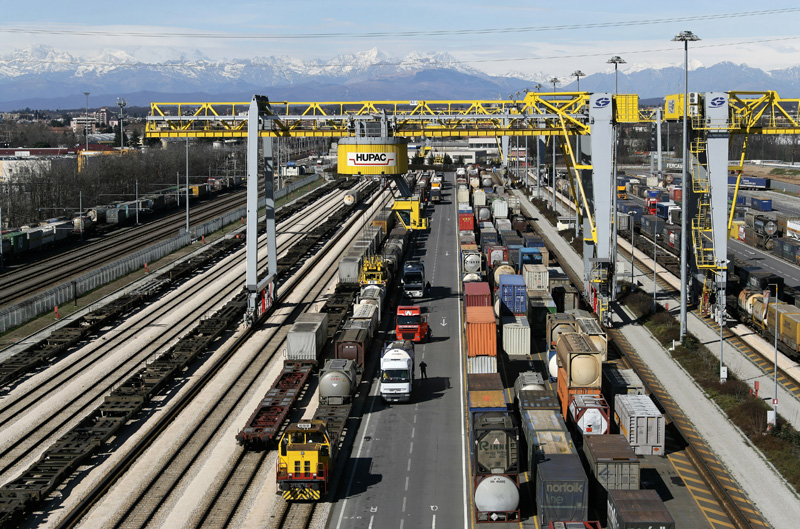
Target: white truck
column 397, row 371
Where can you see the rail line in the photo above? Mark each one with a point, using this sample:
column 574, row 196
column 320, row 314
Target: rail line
column 242, row 381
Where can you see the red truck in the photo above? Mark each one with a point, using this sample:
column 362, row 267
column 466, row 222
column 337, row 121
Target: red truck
column 411, row 324
column 650, row 205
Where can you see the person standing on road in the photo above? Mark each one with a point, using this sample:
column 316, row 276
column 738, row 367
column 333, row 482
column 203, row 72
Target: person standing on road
column 423, row 370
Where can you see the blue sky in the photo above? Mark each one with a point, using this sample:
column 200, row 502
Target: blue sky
column 496, row 37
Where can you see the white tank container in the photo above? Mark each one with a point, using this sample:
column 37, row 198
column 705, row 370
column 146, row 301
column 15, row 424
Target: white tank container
column 496, row 493
column 479, row 197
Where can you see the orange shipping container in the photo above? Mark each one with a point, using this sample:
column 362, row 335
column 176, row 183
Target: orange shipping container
column 481, row 331
column 566, row 393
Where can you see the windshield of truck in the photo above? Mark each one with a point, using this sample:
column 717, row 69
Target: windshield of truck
column 408, row 320
column 395, row 375
column 413, row 277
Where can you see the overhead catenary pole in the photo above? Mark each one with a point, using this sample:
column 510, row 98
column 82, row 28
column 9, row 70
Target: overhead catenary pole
column 187, row 184
column 685, row 37
column 616, row 60
column 555, row 81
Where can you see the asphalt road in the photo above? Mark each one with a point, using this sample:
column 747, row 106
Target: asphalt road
column 408, row 463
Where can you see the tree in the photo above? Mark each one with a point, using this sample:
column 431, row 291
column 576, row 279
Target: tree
column 447, row 159
column 116, row 137
column 135, row 140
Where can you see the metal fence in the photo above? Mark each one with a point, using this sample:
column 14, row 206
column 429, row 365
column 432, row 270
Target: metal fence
column 29, row 309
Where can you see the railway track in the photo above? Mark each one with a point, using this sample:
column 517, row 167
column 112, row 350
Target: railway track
column 199, row 428
column 25, row 280
column 22, row 441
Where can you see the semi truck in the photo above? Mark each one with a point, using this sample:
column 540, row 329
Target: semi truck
column 414, row 279
column 411, row 324
column 397, row 371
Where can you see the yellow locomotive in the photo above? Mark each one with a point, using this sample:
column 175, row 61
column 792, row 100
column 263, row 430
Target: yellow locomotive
column 305, row 460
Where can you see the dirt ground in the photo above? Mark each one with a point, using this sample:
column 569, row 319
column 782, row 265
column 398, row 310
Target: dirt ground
column 790, row 176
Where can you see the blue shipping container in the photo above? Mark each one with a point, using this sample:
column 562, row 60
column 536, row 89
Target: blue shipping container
column 761, row 203
column 662, row 209
column 653, row 193
column 529, row 256
column 750, row 182
column 513, row 294
column 533, row 241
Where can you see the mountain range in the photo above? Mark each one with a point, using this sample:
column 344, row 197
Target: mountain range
column 41, row 77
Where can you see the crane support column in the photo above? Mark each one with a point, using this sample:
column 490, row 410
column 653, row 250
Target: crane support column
column 260, row 294
column 716, row 112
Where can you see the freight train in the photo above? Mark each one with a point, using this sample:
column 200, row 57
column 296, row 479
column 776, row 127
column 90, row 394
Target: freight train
column 29, row 239
column 307, row 450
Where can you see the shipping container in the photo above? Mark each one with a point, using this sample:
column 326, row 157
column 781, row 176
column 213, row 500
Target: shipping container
column 512, row 295
column 351, row 344
column 482, row 364
column 516, row 336
column 618, row 381
column 574, row 525
column 368, row 314
column 652, row 225
column 761, row 203
column 503, row 224
column 557, row 277
column 462, row 195
column 466, row 222
column 641, row 423
column 545, row 435
column 484, row 382
column 499, row 208
column 538, row 399
column 479, row 199
column 566, row 298
column 533, row 241
column 481, row 331
column 557, row 324
column 566, row 392
column 540, row 304
column 790, row 331
column 477, row 295
column 349, row 268
column 589, row 414
column 612, row 462
column 536, row 276
column 305, row 339
column 562, row 489
column 518, row 222
column 496, row 253
column 623, row 221
column 592, row 330
column 482, row 401
column 637, row 509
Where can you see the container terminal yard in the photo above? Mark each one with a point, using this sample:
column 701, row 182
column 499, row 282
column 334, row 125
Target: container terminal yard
column 409, row 347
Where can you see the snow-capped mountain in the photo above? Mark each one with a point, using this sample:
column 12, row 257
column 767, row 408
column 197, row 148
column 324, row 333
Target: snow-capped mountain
column 43, row 77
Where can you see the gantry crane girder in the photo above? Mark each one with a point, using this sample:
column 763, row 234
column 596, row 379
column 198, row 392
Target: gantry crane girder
column 559, row 114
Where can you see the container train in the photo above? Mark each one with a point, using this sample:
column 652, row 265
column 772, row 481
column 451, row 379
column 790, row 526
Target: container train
column 27, row 240
column 508, row 281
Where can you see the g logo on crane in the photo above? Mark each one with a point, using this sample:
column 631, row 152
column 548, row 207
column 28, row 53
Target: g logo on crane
column 602, row 102
column 717, row 102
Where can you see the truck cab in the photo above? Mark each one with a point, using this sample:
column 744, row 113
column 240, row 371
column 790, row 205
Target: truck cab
column 411, row 324
column 414, row 279
column 397, row 371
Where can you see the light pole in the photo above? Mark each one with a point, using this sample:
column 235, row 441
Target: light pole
column 685, row 37
column 775, row 364
column 121, row 103
column 655, row 270
column 86, row 123
column 578, row 74
column 538, row 87
column 555, row 81
column 616, row 60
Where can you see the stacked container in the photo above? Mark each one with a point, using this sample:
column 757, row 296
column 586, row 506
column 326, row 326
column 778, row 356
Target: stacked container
column 512, row 297
column 477, row 295
column 481, row 340
column 641, row 423
column 579, row 368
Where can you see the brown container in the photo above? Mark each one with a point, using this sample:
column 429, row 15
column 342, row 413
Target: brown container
column 557, row 324
column 481, row 331
column 566, row 393
column 484, row 382
column 495, row 398
column 580, row 359
column 477, row 294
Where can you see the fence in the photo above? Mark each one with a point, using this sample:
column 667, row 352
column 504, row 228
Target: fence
column 29, row 309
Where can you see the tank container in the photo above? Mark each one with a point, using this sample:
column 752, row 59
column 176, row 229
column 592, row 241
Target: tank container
column 479, row 197
column 589, row 413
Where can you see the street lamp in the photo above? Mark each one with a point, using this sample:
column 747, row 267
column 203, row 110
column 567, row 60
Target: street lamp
column 555, row 81
column 578, row 74
column 616, row 60
column 121, row 104
column 86, row 123
column 685, row 37
column 775, row 364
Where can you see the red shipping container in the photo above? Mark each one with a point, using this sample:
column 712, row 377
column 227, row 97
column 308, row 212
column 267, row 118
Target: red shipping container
column 675, row 193
column 477, row 294
column 481, row 331
column 566, row 394
column 466, row 222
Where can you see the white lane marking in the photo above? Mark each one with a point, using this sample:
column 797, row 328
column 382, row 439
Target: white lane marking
column 408, row 467
column 406, row 487
column 401, row 523
column 433, row 525
column 358, row 455
column 372, row 519
column 411, row 448
column 415, row 419
column 404, row 504
column 413, row 431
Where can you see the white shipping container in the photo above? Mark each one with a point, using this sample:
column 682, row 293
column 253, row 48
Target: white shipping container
column 499, row 208
column 463, row 196
column 305, row 339
column 536, row 276
column 652, row 181
column 641, row 423
column 793, row 229
column 481, row 364
column 367, row 313
column 514, row 205
column 349, row 267
column 479, row 197
column 502, row 224
column 516, row 336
